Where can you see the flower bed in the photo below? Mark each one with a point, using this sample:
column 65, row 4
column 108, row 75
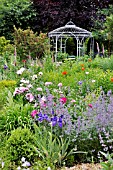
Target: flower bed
column 55, row 114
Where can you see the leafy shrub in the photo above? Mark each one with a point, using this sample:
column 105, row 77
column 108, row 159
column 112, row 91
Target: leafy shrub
column 108, row 165
column 7, row 83
column 27, row 42
column 5, row 87
column 15, row 115
column 5, row 46
column 18, row 13
column 20, row 144
column 51, row 148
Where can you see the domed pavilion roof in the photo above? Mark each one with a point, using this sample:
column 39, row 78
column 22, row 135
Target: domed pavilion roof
column 70, row 29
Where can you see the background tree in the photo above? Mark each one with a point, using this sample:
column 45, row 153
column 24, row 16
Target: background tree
column 15, row 12
column 55, row 13
column 103, row 27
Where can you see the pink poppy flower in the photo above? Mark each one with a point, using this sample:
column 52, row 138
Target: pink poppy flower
column 63, row 100
column 33, row 113
column 90, row 105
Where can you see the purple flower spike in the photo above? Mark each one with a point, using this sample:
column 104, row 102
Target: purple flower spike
column 60, row 122
column 52, row 112
column 5, row 67
column 45, row 117
column 54, row 121
column 80, row 82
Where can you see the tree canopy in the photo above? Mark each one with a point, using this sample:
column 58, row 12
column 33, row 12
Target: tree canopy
column 55, row 13
column 15, row 12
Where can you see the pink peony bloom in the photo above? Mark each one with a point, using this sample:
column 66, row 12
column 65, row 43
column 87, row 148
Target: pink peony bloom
column 63, row 100
column 33, row 113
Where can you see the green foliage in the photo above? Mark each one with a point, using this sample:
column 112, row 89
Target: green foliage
column 108, row 165
column 27, row 42
column 5, row 87
column 5, row 46
column 109, row 27
column 15, row 115
column 48, row 64
column 20, row 144
column 7, row 83
column 16, row 12
column 103, row 29
column 70, row 46
column 50, row 148
column 61, row 56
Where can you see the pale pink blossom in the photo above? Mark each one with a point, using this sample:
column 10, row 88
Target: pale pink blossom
column 60, row 85
column 29, row 85
column 40, row 73
column 36, row 104
column 20, row 71
column 23, row 89
column 24, row 81
column 48, row 83
column 73, row 101
column 20, row 90
column 44, row 99
column 29, row 97
column 39, row 89
column 34, row 77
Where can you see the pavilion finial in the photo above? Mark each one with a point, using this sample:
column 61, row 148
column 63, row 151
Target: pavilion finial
column 70, row 23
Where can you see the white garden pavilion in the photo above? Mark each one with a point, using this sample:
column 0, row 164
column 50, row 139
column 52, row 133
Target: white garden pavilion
column 59, row 37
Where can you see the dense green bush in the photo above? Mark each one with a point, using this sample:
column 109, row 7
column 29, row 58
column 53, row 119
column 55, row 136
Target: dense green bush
column 20, row 144
column 5, row 46
column 14, row 115
column 5, row 86
column 15, row 12
column 28, row 42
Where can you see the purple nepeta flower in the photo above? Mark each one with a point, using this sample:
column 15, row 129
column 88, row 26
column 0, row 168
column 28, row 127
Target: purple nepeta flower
column 26, row 164
column 109, row 93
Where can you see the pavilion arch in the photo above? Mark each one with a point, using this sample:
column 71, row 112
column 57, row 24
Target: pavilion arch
column 59, row 37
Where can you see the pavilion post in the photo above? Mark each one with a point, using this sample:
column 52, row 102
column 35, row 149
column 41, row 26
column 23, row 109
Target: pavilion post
column 61, row 44
column 77, row 47
column 56, row 49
